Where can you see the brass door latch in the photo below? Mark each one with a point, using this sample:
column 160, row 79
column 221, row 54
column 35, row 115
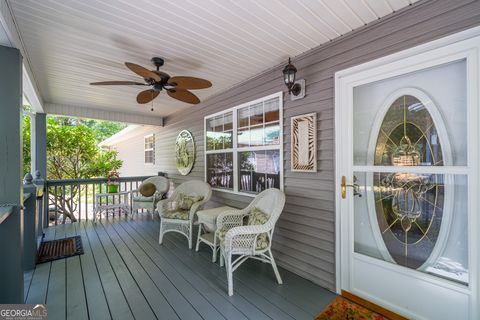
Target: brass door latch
column 355, row 186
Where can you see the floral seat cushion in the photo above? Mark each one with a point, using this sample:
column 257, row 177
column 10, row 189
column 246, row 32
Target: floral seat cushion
column 143, row 199
column 177, row 214
column 185, row 202
column 256, row 217
column 182, row 207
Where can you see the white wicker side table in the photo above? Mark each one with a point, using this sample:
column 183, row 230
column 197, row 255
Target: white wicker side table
column 122, row 203
column 207, row 225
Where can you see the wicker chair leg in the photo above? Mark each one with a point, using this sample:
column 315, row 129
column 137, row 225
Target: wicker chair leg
column 274, row 266
column 160, row 239
column 198, row 238
column 229, row 275
column 222, row 257
column 215, row 248
column 190, row 231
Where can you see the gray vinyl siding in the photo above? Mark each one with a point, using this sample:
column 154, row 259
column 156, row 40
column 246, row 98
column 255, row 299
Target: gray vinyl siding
column 304, row 240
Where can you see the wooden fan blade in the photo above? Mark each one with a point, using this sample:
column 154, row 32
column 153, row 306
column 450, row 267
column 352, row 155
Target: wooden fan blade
column 189, row 83
column 147, row 96
column 141, row 71
column 183, row 95
column 112, row 83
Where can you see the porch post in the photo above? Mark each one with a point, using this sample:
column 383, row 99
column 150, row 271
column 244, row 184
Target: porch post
column 38, row 141
column 11, row 270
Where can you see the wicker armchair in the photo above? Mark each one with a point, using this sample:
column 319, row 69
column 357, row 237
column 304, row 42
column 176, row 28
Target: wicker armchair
column 139, row 201
column 181, row 221
column 249, row 241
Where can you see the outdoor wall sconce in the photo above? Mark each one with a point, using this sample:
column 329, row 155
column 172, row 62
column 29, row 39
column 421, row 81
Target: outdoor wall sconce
column 296, row 88
column 289, row 73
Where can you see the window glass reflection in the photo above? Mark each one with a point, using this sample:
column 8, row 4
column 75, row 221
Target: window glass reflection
column 220, row 170
column 259, row 170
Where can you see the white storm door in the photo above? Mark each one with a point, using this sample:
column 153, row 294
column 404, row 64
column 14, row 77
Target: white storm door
column 407, row 179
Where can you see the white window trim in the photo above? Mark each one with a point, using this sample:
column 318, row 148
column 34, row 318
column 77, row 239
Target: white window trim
column 149, row 149
column 235, row 151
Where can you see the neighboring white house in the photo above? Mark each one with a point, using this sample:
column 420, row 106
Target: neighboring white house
column 136, row 148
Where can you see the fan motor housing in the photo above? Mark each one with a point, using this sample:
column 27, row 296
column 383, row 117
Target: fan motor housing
column 157, row 61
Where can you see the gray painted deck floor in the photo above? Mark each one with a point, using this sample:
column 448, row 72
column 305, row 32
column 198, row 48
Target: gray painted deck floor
column 126, row 274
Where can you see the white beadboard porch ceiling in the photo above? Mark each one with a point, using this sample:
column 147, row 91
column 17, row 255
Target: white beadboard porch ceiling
column 72, row 43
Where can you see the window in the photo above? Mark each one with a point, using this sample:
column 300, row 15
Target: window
column 149, row 149
column 244, row 147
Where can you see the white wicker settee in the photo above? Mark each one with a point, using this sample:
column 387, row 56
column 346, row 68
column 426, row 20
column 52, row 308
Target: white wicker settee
column 181, row 220
column 250, row 241
column 139, row 201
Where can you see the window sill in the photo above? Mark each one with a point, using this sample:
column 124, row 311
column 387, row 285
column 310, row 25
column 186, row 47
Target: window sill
column 251, row 195
column 239, row 193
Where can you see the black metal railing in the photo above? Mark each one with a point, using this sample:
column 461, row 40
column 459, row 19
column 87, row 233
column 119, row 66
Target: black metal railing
column 72, row 200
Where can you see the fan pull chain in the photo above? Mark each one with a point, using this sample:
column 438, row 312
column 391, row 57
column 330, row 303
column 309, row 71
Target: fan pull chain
column 152, row 101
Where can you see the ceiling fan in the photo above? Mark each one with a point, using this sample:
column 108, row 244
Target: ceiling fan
column 176, row 87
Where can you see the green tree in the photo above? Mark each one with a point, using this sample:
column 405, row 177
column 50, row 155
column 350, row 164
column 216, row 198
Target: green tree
column 27, row 158
column 73, row 153
column 103, row 129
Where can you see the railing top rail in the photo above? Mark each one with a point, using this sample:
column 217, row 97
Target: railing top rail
column 91, row 180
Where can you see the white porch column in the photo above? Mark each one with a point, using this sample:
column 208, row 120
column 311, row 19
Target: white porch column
column 11, row 270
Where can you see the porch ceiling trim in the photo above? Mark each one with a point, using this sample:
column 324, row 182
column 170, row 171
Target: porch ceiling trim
column 99, row 114
column 7, row 22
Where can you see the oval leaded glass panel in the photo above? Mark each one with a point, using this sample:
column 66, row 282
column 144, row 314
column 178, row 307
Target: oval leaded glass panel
column 409, row 206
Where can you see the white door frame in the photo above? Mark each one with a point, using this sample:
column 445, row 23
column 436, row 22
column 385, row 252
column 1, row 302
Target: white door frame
column 463, row 45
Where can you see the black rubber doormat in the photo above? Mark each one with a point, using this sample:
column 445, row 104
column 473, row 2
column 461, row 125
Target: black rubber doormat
column 60, row 249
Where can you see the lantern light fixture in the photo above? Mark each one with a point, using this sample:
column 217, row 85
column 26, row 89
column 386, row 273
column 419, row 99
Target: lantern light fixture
column 289, row 73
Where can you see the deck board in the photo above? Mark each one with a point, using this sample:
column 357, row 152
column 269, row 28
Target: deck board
column 119, row 307
column 76, row 303
column 249, row 290
column 139, row 306
column 125, row 274
column 192, row 294
column 174, row 296
column 38, row 286
column 151, row 292
column 192, row 273
column 56, row 294
column 96, row 302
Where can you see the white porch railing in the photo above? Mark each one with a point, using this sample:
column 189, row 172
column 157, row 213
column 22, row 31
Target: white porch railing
column 73, row 199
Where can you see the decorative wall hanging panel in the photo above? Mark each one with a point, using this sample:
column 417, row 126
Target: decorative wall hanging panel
column 184, row 152
column 304, row 143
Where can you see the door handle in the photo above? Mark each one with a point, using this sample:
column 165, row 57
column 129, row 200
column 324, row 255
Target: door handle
column 355, row 186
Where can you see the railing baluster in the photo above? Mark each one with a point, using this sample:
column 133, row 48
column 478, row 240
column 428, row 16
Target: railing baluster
column 63, row 205
column 79, row 205
column 71, row 199
column 46, row 199
column 86, row 202
column 56, row 206
column 94, row 199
